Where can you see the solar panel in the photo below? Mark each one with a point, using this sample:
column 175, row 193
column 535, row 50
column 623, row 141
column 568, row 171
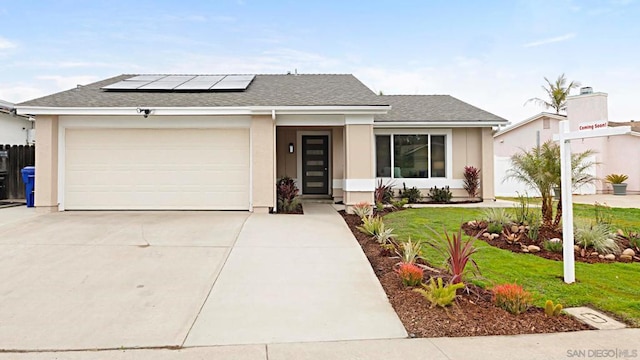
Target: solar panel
column 183, row 83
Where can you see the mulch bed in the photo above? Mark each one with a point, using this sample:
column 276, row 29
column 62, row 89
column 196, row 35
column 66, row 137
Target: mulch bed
column 473, row 315
column 545, row 234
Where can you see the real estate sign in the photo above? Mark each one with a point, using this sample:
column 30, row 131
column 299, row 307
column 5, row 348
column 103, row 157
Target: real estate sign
column 593, row 125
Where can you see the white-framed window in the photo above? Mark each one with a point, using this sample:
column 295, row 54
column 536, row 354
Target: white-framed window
column 413, row 154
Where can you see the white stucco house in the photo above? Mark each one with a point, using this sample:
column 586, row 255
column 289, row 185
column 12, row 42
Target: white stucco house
column 616, row 154
column 14, row 129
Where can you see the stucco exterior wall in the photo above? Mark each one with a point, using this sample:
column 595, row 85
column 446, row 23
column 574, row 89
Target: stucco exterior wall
column 13, row 129
column 46, row 187
column 359, row 164
column 524, row 137
column 623, row 158
column 263, row 151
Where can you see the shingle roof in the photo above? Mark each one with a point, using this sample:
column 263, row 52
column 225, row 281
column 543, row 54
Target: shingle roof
column 432, row 108
column 265, row 90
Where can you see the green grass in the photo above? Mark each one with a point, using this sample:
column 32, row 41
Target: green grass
column 612, row 287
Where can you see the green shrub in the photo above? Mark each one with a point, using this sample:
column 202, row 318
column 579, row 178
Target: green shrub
column 597, row 237
column 522, row 210
column 379, row 206
column 409, row 251
column 384, row 236
column 400, row 203
column 512, row 297
column 443, row 195
column 603, row 213
column 553, row 246
column 371, row 225
column 494, row 228
column 497, row 215
column 412, row 195
column 533, row 221
column 439, row 294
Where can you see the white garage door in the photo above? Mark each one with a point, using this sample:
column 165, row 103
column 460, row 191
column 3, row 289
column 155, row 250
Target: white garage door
column 163, row 169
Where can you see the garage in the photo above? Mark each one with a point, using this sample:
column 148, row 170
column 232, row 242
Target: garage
column 156, row 169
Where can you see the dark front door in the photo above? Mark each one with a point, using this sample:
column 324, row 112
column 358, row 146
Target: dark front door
column 315, row 164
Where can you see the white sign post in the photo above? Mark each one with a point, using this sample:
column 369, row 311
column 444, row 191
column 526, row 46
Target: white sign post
column 587, row 130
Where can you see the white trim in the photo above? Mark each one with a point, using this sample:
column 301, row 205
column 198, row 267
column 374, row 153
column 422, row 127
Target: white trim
column 168, row 122
column 221, row 110
column 437, row 124
column 299, row 135
column 529, row 120
column 337, row 183
column 423, row 183
column 448, row 133
column 310, row 120
column 358, row 120
column 359, row 185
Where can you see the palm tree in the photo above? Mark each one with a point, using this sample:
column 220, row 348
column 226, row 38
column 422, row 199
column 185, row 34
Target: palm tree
column 557, row 92
column 539, row 168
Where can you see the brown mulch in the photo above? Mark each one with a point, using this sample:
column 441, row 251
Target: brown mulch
column 474, row 313
column 544, row 234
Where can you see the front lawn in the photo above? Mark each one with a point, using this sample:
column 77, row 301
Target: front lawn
column 612, row 287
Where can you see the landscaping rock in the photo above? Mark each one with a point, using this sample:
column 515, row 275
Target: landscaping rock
column 624, row 257
column 594, row 254
column 601, row 256
column 576, row 248
column 525, row 250
column 610, row 257
column 629, row 252
column 487, row 235
column 533, row 248
column 559, row 240
column 514, row 228
column 495, row 236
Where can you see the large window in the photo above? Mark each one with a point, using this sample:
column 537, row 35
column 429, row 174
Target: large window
column 412, row 156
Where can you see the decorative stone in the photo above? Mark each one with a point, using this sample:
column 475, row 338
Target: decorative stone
column 487, row 235
column 525, row 250
column 594, row 254
column 629, row 252
column 576, row 248
column 495, row 236
column 514, row 228
column 624, row 257
column 558, row 240
column 610, row 257
column 533, row 248
column 601, row 256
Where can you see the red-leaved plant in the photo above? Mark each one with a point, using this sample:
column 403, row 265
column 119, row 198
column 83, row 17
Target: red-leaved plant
column 287, row 195
column 512, row 297
column 457, row 252
column 471, row 180
column 410, row 274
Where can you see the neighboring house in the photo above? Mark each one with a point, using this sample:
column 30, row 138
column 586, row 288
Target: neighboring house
column 220, row 143
column 613, row 154
column 14, row 129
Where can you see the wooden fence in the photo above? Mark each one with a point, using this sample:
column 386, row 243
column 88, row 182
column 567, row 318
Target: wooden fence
column 19, row 156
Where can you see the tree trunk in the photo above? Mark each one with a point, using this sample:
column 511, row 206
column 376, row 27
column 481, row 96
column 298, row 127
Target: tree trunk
column 547, row 210
column 556, row 221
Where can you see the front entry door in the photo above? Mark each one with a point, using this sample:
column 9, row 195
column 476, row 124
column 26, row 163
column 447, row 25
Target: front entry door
column 315, row 164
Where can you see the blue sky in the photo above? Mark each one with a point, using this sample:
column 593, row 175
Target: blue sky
column 492, row 54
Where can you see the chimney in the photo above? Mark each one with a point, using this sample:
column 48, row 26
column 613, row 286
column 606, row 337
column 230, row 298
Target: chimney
column 586, row 90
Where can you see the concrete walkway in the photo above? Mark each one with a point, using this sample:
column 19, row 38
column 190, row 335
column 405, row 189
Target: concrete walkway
column 617, row 201
column 610, row 344
column 292, row 278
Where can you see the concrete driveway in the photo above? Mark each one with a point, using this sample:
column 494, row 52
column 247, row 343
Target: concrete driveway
column 108, row 280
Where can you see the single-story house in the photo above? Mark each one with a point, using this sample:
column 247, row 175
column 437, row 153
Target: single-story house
column 14, row 129
column 611, row 153
column 220, row 142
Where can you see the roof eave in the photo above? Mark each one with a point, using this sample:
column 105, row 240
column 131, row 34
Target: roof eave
column 226, row 110
column 447, row 124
